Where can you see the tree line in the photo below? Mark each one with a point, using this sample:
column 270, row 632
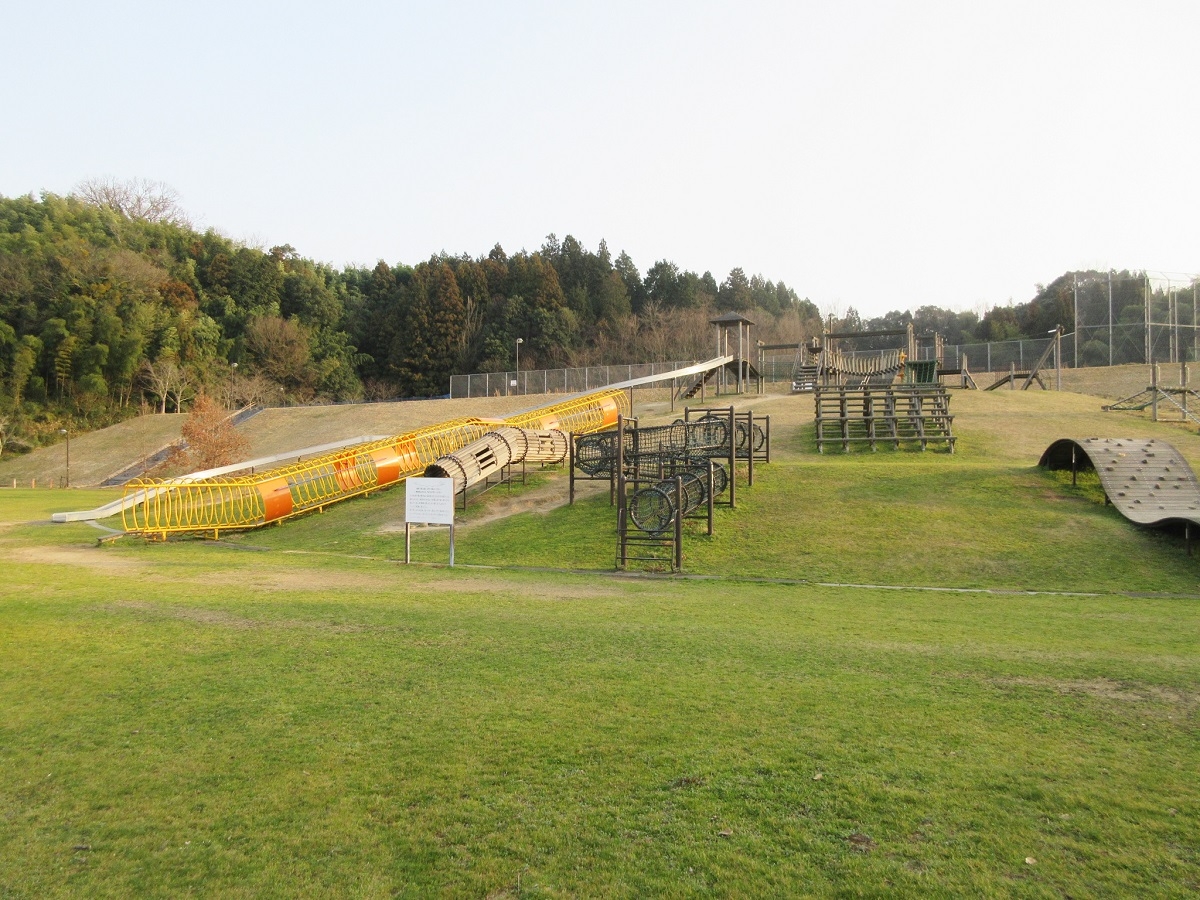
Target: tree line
column 112, row 302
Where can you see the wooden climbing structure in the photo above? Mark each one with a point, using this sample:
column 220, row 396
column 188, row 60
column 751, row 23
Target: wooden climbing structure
column 1146, row 479
column 890, row 415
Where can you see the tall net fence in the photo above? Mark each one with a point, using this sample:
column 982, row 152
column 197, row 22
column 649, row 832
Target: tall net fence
column 555, row 381
column 1091, row 345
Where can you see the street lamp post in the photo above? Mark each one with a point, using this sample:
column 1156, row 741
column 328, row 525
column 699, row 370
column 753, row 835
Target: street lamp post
column 68, row 435
column 520, row 341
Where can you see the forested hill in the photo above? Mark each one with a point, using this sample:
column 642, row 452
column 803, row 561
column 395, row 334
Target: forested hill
column 103, row 310
column 111, row 302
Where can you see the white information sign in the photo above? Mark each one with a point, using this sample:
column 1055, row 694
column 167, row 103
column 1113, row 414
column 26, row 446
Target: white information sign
column 429, row 500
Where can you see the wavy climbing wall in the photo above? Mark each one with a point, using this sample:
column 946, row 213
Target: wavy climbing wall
column 1146, row 479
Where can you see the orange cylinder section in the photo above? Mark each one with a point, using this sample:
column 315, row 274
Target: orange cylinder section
column 610, row 408
column 346, row 473
column 395, row 461
column 277, row 499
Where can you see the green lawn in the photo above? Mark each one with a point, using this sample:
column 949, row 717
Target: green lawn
column 292, row 712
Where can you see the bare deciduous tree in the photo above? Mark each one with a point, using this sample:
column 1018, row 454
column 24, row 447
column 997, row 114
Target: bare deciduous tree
column 8, row 434
column 135, row 198
column 167, row 381
column 210, row 439
column 250, row 390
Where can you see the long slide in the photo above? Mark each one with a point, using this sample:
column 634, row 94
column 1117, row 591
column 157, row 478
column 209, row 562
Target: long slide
column 220, row 499
column 158, row 509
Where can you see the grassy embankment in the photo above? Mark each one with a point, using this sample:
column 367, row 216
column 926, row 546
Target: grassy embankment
column 210, row 719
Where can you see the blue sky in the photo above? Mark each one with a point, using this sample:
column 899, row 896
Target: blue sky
column 877, row 155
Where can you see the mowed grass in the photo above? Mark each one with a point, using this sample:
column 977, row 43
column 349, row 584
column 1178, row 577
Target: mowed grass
column 983, row 517
column 293, row 712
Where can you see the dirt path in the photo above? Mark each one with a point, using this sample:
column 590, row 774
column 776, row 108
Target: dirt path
column 501, row 503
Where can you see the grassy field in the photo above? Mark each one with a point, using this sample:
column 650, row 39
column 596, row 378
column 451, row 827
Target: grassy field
column 291, row 712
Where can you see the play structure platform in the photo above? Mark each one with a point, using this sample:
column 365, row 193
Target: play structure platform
column 889, row 415
column 1147, row 480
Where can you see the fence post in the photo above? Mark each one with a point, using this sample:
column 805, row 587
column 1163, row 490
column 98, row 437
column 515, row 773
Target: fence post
column 678, row 566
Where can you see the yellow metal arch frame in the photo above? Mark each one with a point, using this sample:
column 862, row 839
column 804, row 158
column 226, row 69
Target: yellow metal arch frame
column 165, row 507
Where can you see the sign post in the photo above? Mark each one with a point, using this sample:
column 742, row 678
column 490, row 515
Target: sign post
column 429, row 501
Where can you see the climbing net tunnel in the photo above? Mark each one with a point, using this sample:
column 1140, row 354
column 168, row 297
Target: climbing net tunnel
column 653, row 509
column 596, row 454
column 159, row 508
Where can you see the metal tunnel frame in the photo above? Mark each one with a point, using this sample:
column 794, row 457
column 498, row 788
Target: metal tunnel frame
column 159, row 508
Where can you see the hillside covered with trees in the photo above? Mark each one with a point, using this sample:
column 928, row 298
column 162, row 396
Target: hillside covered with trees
column 111, row 303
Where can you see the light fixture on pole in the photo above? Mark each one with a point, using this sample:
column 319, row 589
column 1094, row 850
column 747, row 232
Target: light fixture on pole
column 68, row 435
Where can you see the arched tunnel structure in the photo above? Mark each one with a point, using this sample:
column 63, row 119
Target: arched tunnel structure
column 1146, row 479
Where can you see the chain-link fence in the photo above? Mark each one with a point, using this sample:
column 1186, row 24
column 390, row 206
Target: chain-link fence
column 554, row 381
column 1108, row 344
column 998, row 356
column 1092, row 345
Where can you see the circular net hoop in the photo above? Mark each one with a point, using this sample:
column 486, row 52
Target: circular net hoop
column 714, row 431
column 698, row 467
column 595, row 453
column 651, row 510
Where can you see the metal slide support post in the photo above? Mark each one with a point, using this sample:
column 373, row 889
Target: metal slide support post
column 452, row 545
column 768, row 459
column 571, row 468
column 407, row 543
column 678, row 524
